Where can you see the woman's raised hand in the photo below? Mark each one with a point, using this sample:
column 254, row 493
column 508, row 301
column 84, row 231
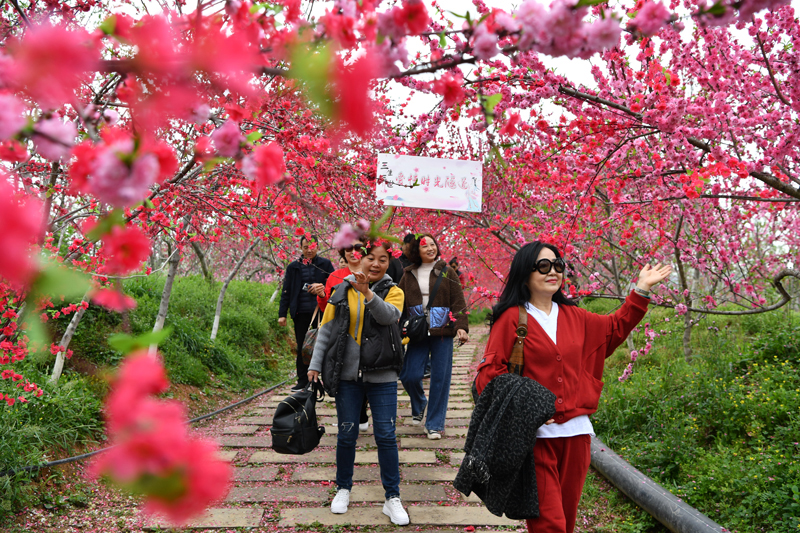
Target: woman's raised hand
column 361, row 284
column 649, row 276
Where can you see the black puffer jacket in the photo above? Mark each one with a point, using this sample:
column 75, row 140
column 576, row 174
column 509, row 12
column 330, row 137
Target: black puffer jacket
column 381, row 347
column 499, row 466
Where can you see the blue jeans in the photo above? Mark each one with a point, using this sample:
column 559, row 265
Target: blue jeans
column 382, row 399
column 441, row 352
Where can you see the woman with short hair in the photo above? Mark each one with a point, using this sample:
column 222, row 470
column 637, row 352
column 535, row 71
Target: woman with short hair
column 351, row 255
column 358, row 352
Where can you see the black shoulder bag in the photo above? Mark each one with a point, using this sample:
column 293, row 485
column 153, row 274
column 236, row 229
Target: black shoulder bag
column 294, row 428
column 415, row 328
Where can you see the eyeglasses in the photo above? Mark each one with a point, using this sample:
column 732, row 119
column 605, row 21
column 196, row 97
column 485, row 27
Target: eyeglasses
column 351, row 248
column 543, row 266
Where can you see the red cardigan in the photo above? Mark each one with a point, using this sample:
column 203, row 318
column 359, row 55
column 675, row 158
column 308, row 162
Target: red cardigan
column 333, row 280
column 573, row 369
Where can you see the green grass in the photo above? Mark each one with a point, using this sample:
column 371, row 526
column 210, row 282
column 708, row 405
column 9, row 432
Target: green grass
column 720, row 433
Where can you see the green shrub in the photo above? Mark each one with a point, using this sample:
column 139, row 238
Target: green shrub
column 722, row 432
column 53, row 425
column 249, row 349
column 477, row 317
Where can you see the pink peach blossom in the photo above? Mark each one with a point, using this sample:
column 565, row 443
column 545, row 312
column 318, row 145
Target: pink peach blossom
column 53, row 138
column 12, row 117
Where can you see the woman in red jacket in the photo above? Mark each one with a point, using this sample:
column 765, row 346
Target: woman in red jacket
column 565, row 350
column 352, row 257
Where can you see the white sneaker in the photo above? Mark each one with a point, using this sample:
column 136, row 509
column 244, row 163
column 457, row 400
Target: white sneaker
column 434, row 435
column 363, row 428
column 340, row 502
column 393, row 508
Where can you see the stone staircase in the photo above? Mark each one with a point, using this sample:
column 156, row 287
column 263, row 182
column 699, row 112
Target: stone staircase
column 292, row 493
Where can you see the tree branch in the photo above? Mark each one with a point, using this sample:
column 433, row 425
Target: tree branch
column 764, row 177
column 769, row 71
column 776, row 281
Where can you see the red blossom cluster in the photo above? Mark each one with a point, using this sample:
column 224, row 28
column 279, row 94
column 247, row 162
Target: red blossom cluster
column 153, row 452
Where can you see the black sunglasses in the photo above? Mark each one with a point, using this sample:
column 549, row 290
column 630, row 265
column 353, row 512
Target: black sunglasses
column 351, row 248
column 543, row 266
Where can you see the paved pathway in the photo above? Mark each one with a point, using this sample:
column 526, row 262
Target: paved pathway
column 294, row 492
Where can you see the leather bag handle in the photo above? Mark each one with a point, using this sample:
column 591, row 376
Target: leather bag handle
column 517, row 357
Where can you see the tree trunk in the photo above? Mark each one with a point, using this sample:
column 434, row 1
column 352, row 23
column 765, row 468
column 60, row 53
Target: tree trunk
column 48, row 202
column 203, row 265
column 174, row 260
column 224, row 288
column 274, row 294
column 58, row 367
column 687, row 318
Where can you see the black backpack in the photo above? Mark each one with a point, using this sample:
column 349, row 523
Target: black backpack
column 294, row 428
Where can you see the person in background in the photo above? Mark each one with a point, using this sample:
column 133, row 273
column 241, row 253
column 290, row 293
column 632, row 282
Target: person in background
column 454, row 265
column 342, row 263
column 447, row 319
column 399, row 263
column 358, row 354
column 304, row 280
column 351, row 256
column 405, row 258
column 565, row 350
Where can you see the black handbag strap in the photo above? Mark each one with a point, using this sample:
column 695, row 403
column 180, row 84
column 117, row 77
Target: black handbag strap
column 318, row 390
column 434, row 291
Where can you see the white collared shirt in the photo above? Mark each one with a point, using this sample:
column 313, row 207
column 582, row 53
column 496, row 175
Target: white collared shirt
column 580, row 425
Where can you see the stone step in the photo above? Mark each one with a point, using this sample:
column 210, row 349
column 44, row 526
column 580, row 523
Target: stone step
column 460, row 405
column 408, row 493
column 278, row 494
column 328, row 473
column 329, row 456
column 372, row 473
column 456, row 458
column 428, row 473
column 373, row 515
column 267, row 473
column 240, row 430
column 446, row 444
column 457, row 516
column 227, row 455
column 265, row 442
column 355, row 516
column 256, row 420
column 218, row 518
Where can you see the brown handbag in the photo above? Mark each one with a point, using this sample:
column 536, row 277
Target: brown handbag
column 517, row 358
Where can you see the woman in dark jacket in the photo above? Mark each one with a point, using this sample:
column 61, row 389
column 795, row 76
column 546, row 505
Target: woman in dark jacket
column 355, row 355
column 565, row 350
column 446, row 319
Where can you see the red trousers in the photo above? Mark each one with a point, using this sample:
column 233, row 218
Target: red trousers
column 561, row 467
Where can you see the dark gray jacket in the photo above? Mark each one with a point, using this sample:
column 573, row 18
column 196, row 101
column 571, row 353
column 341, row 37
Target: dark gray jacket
column 499, row 466
column 377, row 357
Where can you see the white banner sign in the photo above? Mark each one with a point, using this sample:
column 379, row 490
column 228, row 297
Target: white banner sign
column 429, row 183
